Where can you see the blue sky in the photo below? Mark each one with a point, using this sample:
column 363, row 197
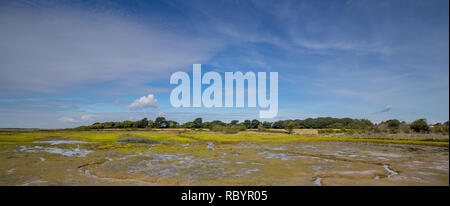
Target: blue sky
column 70, row 63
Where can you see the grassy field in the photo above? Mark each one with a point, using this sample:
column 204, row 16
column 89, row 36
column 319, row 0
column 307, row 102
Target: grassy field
column 202, row 157
column 181, row 135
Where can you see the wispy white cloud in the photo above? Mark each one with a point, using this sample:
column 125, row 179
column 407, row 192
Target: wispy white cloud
column 119, row 102
column 344, row 46
column 387, row 108
column 69, row 119
column 88, row 117
column 54, row 50
column 79, row 118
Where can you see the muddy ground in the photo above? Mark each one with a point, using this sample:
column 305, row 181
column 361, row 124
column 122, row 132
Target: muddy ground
column 75, row 162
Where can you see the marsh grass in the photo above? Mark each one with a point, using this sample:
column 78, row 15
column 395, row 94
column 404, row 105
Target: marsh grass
column 158, row 136
column 132, row 139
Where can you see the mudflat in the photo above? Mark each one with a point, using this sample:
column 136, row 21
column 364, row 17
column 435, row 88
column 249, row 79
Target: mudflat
column 208, row 158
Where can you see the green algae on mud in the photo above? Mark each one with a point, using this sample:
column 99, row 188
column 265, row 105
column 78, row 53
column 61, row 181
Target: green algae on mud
column 171, row 136
column 207, row 158
column 222, row 138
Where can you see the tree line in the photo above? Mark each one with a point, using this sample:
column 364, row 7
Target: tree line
column 391, row 126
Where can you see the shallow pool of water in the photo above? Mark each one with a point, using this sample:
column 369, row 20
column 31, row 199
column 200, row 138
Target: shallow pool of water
column 55, row 142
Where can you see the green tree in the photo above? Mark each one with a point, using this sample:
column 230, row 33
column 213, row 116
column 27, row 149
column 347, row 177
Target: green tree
column 278, row 125
column 97, row 125
column 291, row 126
column 141, row 123
column 160, row 122
column 172, row 124
column 234, row 122
column 393, row 125
column 118, row 125
column 254, row 124
column 198, row 123
column 215, row 123
column 127, row 124
column 267, row 124
column 247, row 124
column 420, row 125
column 188, row 125
column 150, row 124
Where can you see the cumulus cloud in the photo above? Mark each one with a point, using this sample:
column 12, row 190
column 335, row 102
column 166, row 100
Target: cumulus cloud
column 387, row 108
column 144, row 102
